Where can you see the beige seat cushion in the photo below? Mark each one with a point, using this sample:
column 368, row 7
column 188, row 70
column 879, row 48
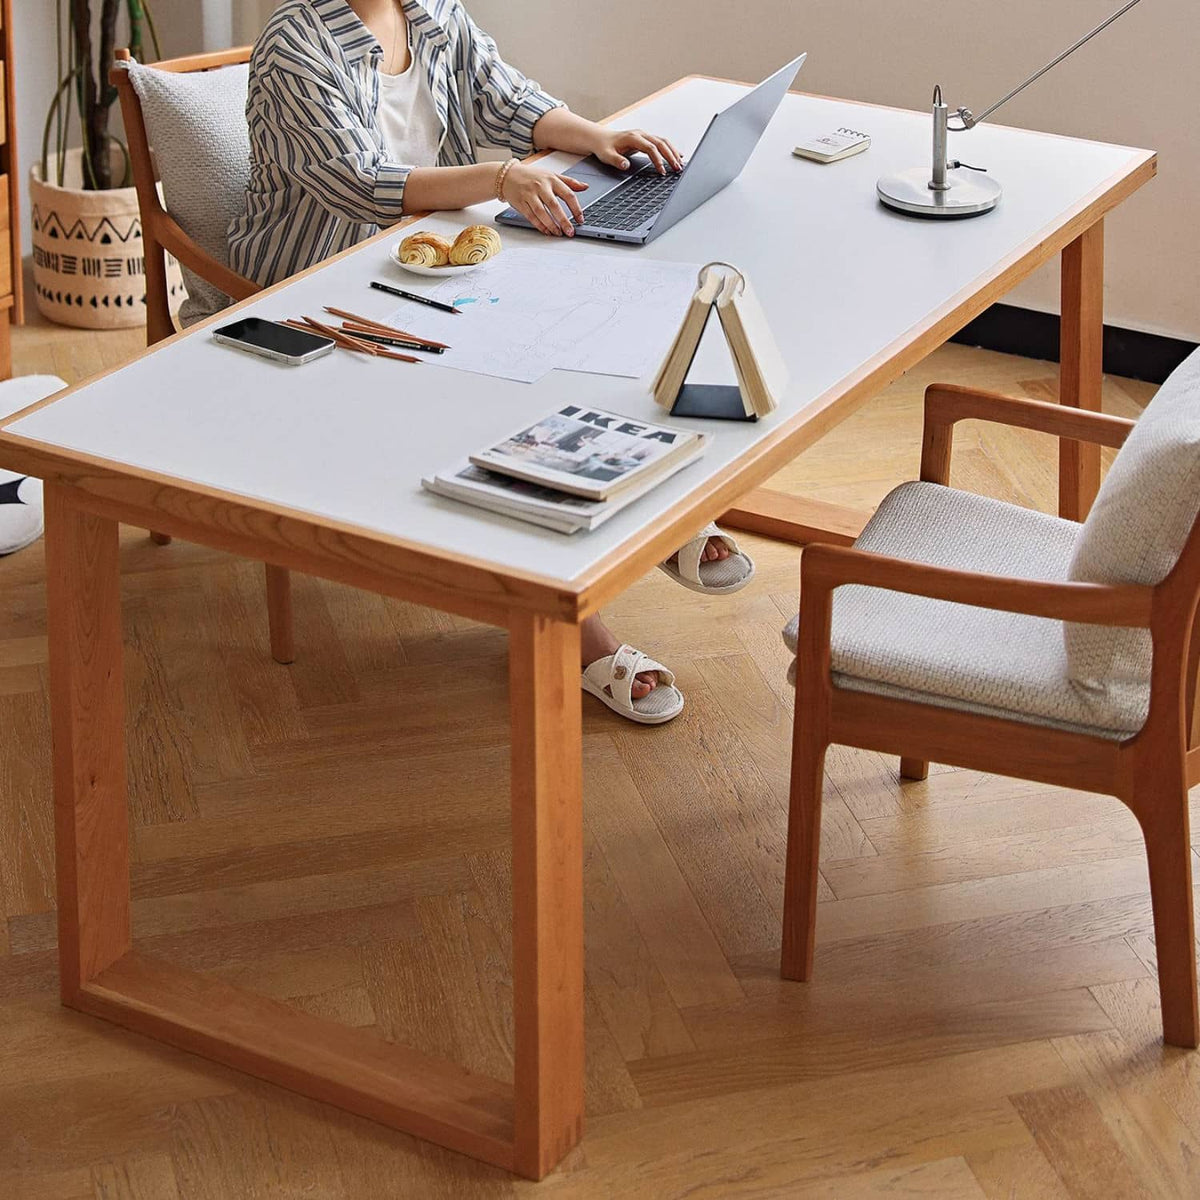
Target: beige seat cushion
column 956, row 656
column 1136, row 530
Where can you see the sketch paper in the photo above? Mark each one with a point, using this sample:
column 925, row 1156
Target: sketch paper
column 527, row 312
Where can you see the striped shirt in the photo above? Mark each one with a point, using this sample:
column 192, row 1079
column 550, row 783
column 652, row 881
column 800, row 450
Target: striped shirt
column 321, row 179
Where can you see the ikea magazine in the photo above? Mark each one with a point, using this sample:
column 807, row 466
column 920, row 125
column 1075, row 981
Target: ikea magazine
column 587, row 452
column 540, row 505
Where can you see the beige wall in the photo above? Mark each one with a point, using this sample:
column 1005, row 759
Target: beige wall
column 1134, row 84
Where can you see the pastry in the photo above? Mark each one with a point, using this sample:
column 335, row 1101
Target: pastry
column 476, row 244
column 425, row 250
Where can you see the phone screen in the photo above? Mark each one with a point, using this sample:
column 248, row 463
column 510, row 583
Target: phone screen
column 269, row 335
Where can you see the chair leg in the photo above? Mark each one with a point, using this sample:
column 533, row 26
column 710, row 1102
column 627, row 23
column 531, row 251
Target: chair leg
column 803, row 854
column 1170, row 858
column 279, row 614
column 914, row 768
column 160, row 539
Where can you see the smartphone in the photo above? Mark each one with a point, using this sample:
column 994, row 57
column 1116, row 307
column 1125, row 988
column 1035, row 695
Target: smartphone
column 272, row 340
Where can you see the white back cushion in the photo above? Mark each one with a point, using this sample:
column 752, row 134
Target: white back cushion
column 196, row 125
column 1137, row 528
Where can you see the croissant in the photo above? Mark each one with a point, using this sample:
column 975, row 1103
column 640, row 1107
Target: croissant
column 425, row 250
column 476, row 244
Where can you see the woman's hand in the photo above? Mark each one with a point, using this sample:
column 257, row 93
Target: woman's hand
column 614, row 145
column 539, row 196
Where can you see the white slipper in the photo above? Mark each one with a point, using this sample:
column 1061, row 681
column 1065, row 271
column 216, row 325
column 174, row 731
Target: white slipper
column 611, row 679
column 20, row 511
column 21, row 518
column 718, row 578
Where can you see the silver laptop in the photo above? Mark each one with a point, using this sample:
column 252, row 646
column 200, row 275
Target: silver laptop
column 637, row 204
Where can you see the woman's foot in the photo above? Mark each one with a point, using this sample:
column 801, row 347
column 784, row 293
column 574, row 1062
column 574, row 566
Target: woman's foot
column 596, row 641
column 629, row 681
column 714, row 550
column 711, row 563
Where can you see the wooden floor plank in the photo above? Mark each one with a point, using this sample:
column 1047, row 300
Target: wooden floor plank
column 1071, row 1133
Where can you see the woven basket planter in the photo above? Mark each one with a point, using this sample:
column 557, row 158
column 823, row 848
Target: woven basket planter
column 89, row 266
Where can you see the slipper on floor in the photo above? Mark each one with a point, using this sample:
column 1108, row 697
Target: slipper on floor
column 611, row 680
column 20, row 511
column 718, row 578
column 21, row 497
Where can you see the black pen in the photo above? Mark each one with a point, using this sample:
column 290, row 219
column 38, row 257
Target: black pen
column 382, row 339
column 395, row 291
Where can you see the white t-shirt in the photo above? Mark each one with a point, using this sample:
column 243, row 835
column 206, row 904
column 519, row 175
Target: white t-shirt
column 408, row 118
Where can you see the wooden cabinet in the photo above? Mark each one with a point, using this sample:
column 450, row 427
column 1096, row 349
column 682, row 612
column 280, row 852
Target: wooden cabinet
column 10, row 188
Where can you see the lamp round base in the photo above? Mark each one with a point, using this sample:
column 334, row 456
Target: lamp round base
column 970, row 193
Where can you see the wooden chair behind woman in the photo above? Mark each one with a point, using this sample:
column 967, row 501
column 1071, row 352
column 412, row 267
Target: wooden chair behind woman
column 180, row 128
column 937, row 652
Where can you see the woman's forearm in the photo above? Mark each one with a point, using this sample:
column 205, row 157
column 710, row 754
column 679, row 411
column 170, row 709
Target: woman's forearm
column 431, row 189
column 561, row 129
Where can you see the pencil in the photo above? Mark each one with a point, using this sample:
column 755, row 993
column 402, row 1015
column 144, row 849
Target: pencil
column 395, row 291
column 391, row 330
column 359, row 344
column 343, row 339
column 340, row 339
column 368, row 334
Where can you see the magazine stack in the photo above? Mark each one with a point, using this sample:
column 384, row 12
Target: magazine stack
column 573, row 469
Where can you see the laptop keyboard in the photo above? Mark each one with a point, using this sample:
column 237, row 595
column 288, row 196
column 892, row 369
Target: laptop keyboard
column 633, row 202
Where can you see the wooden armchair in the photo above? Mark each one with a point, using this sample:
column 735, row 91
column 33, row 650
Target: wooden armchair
column 860, row 682
column 162, row 234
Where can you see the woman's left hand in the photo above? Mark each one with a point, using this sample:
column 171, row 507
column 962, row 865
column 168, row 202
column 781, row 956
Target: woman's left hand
column 615, row 144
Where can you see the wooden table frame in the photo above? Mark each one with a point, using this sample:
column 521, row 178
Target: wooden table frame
column 527, row 1125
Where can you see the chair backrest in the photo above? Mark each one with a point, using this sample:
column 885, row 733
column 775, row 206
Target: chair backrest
column 1143, row 520
column 191, row 111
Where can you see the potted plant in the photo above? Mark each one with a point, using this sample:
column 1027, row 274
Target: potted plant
column 88, row 260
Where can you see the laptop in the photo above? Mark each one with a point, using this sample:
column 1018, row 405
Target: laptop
column 638, row 204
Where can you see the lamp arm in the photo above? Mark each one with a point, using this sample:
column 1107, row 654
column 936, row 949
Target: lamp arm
column 969, row 120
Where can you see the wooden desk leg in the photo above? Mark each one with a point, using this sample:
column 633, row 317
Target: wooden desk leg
column 1081, row 374
column 547, row 869
column 280, row 625
column 91, row 820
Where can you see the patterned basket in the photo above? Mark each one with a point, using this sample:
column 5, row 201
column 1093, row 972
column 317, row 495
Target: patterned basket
column 89, row 267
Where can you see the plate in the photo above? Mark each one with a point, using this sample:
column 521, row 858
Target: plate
column 418, row 269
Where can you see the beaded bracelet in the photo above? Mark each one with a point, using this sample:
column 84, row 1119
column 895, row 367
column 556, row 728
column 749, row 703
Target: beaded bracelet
column 502, row 175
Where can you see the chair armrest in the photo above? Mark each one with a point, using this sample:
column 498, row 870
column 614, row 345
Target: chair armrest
column 946, row 404
column 825, row 568
column 171, row 236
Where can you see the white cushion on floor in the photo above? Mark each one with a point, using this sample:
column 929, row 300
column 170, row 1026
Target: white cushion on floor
column 1136, row 530
column 957, row 656
column 196, row 125
column 21, row 522
column 16, row 394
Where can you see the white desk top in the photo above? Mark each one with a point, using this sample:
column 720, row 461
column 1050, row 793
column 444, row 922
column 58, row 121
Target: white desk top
column 348, row 438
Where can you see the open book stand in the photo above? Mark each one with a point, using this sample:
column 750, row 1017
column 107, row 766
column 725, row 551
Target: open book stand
column 714, row 401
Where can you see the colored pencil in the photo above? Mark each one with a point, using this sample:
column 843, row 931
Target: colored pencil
column 380, row 327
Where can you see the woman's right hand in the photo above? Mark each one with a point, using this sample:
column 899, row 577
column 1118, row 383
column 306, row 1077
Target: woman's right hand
column 539, row 196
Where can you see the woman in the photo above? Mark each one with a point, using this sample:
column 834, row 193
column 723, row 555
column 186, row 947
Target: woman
column 361, row 111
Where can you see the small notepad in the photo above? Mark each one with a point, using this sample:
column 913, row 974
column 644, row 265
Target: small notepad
column 832, row 147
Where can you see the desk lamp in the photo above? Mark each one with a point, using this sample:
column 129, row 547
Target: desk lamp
column 949, row 190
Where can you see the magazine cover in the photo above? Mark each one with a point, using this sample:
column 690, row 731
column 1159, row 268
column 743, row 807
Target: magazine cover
column 587, row 452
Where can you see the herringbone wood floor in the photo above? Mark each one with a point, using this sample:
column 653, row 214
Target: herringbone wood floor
column 984, row 1017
